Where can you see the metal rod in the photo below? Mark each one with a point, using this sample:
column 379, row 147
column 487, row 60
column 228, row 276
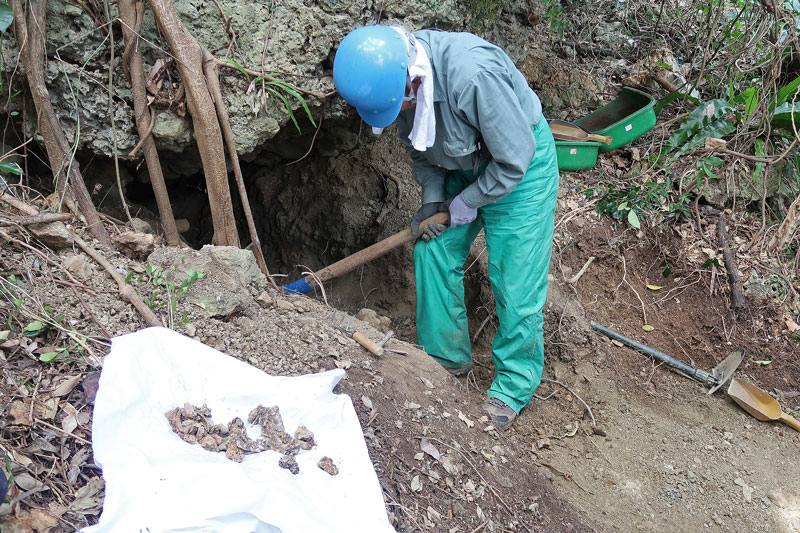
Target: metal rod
column 675, row 365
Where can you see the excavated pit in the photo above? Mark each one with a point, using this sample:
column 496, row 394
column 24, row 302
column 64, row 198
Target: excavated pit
column 352, row 190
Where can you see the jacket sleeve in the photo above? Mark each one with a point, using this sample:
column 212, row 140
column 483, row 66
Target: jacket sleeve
column 430, row 176
column 489, row 104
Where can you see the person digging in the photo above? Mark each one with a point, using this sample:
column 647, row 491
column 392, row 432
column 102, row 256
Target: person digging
column 483, row 152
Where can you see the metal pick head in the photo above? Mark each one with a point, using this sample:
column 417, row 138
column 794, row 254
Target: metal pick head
column 725, row 370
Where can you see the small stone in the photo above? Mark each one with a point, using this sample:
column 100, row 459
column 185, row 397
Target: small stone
column 78, row 266
column 265, row 300
column 285, row 306
column 289, row 462
column 326, row 464
column 306, row 438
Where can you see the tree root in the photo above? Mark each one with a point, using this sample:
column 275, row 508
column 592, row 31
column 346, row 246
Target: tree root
column 131, row 13
column 30, row 37
column 211, row 70
column 737, row 300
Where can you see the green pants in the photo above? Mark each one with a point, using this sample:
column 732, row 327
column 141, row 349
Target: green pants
column 519, row 238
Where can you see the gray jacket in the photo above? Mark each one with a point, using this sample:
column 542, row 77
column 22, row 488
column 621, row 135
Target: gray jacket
column 485, row 111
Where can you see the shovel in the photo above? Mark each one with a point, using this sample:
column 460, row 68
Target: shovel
column 758, row 403
column 719, row 375
column 567, row 131
column 351, row 262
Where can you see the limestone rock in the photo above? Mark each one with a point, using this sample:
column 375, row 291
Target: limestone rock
column 79, row 266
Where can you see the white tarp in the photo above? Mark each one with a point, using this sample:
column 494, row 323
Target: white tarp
column 156, row 482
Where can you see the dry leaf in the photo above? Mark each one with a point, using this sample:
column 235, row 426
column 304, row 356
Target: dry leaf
column 416, row 484
column 20, row 413
column 433, row 514
column 427, row 382
column 36, row 520
column 419, row 456
column 791, row 325
column 66, row 386
column 426, row 446
column 466, row 420
column 543, row 443
column 712, row 143
column 411, row 405
column 344, row 365
column 367, row 402
column 653, row 287
column 69, row 424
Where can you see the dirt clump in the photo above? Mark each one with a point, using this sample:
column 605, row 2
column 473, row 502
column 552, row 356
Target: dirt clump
column 194, row 425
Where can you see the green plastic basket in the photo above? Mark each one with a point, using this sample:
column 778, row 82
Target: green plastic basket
column 626, row 118
column 576, row 155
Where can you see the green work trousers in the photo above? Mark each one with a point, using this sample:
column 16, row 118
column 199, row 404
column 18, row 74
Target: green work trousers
column 519, row 239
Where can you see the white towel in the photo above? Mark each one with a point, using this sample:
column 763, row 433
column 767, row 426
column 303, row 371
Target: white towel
column 423, row 133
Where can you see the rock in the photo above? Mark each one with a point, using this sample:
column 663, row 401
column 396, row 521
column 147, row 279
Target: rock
column 141, row 226
column 135, row 245
column 79, row 266
column 265, row 299
column 285, row 306
column 243, row 261
column 53, row 234
column 224, row 288
column 326, row 464
column 371, row 317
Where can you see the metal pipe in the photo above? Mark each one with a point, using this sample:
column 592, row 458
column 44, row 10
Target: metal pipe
column 678, row 366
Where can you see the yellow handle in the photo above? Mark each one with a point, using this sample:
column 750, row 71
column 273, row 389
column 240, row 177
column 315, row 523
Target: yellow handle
column 789, row 419
column 599, row 138
column 368, row 343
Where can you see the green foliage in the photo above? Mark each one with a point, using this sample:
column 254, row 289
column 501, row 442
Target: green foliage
column 632, row 202
column 278, row 88
column 554, row 15
column 165, row 292
column 703, row 122
column 6, row 17
column 480, row 13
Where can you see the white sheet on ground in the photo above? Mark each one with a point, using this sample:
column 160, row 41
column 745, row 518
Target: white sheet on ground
column 156, row 482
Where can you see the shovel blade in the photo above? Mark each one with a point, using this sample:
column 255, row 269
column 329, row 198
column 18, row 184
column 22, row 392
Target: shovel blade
column 725, row 370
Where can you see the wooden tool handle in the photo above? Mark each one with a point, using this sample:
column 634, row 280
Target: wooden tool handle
column 351, row 262
column 789, row 419
column 599, row 138
column 368, row 343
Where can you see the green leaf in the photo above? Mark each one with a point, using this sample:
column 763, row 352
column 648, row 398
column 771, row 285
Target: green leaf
column 633, row 219
column 697, row 121
column 717, row 129
column 713, row 161
column 6, row 17
column 783, row 116
column 288, row 107
column 34, row 328
column 238, row 67
column 758, row 146
column 648, row 327
column 10, row 168
column 787, row 91
column 48, row 357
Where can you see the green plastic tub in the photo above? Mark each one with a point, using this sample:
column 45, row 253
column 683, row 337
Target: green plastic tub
column 576, row 155
column 626, row 118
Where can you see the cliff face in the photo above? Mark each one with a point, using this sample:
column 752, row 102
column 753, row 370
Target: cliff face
column 294, row 39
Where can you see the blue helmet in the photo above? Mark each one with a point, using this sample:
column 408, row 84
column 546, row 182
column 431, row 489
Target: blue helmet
column 370, row 71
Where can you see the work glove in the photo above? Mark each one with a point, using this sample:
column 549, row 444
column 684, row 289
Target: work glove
column 460, row 213
column 432, row 231
column 426, row 211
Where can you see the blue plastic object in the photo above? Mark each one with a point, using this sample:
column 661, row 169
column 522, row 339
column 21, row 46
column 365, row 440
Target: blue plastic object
column 300, row 286
column 370, row 71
